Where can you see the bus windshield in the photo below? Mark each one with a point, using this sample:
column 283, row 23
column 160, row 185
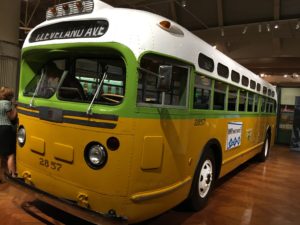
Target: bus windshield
column 78, row 79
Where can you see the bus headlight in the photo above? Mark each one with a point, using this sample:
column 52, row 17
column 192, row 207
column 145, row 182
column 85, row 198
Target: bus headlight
column 95, row 156
column 21, row 136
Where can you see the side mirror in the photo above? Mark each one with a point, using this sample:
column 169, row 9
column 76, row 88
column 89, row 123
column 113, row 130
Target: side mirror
column 165, row 77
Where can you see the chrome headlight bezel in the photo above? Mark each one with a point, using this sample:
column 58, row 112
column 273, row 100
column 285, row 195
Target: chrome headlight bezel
column 21, row 136
column 95, row 156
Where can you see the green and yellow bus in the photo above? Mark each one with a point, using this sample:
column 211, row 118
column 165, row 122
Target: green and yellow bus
column 125, row 114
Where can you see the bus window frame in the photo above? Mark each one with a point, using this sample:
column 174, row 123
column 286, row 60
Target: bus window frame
column 174, row 63
column 214, row 106
column 202, row 87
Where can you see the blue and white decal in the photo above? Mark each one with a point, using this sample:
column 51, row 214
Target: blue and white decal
column 234, row 135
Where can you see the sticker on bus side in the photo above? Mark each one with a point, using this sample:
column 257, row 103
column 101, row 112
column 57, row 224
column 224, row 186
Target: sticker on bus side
column 234, row 135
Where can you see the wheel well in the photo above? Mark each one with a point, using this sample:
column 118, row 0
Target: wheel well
column 269, row 133
column 215, row 146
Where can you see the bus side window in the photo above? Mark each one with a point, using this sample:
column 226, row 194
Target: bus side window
column 178, row 91
column 232, row 98
column 148, row 91
column 202, row 92
column 242, row 100
column 219, row 95
column 263, row 104
column 269, row 106
column 250, row 102
column 255, row 103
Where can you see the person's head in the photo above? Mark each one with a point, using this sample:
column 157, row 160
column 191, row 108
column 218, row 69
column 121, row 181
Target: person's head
column 52, row 70
column 6, row 93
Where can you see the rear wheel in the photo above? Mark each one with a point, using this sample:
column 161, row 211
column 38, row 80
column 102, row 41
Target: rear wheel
column 203, row 181
column 263, row 155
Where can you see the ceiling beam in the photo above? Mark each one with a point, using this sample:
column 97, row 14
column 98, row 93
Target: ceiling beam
column 276, row 40
column 173, row 11
column 276, row 9
column 220, row 13
column 191, row 14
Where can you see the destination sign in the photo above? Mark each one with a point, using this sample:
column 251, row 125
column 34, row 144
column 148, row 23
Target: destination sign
column 67, row 30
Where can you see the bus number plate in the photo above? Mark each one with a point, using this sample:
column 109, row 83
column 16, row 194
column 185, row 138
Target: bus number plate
column 199, row 122
column 50, row 164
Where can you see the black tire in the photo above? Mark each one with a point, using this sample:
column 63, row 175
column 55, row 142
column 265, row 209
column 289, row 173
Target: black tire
column 203, row 182
column 265, row 151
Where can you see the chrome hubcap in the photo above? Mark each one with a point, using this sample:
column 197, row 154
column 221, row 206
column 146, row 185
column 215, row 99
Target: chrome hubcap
column 205, row 178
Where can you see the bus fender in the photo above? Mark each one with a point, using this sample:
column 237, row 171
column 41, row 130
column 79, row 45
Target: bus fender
column 206, row 173
column 214, row 146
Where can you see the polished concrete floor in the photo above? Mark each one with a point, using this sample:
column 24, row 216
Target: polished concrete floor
column 256, row 193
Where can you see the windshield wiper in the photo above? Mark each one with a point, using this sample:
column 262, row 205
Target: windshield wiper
column 89, row 110
column 36, row 89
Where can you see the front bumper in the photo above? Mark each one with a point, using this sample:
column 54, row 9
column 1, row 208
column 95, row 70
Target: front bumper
column 66, row 205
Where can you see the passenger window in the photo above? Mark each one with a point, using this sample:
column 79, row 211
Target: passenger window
column 232, row 98
column 270, row 106
column 235, row 76
column 206, row 62
column 258, row 87
column 255, row 103
column 269, row 92
column 250, row 102
column 202, row 92
column 264, row 90
column 245, row 81
column 242, row 100
column 148, row 91
column 223, row 70
column 263, row 104
column 219, row 95
column 252, row 84
column 177, row 95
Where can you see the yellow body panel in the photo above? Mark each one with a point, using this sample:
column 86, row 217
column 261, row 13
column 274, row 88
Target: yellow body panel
column 135, row 183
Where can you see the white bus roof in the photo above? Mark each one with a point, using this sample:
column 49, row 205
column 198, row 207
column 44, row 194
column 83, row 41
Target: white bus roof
column 140, row 31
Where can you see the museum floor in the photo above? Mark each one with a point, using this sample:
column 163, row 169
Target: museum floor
column 256, row 193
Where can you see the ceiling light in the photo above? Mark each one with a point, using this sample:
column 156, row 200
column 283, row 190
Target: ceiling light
column 222, row 32
column 285, row 76
column 298, row 25
column 183, row 3
column 276, row 26
column 262, row 75
column 259, row 28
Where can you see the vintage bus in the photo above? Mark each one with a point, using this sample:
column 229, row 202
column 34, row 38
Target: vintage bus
column 124, row 114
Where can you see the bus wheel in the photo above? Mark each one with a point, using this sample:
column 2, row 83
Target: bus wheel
column 203, row 181
column 263, row 155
